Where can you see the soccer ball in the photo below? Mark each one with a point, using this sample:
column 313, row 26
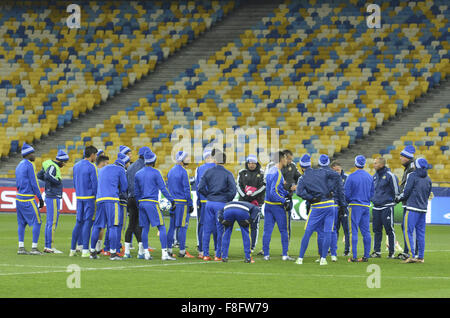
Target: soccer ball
column 164, row 205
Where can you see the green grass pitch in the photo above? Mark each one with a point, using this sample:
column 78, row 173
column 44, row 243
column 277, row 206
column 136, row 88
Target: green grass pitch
column 47, row 275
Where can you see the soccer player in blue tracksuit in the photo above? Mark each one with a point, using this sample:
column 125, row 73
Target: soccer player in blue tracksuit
column 180, row 189
column 359, row 190
column 407, row 161
column 147, row 184
column 112, row 186
column 201, row 200
column 218, row 186
column 27, row 209
column 245, row 214
column 276, row 201
column 320, row 187
column 85, row 181
column 386, row 190
column 51, row 175
column 416, row 193
column 343, row 214
column 324, row 163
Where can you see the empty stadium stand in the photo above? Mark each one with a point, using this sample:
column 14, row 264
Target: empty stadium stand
column 310, row 68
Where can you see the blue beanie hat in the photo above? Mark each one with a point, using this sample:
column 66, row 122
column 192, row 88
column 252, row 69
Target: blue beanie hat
column 26, row 149
column 422, row 163
column 123, row 159
column 149, row 157
column 360, row 161
column 62, row 155
column 324, row 160
column 124, row 149
column 181, row 155
column 305, row 161
column 100, row 152
column 408, row 152
column 142, row 150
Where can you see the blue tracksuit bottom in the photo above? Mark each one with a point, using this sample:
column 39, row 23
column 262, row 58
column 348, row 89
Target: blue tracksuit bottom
column 53, row 207
column 84, row 220
column 320, row 220
column 415, row 232
column 237, row 215
column 275, row 214
column 211, row 225
column 359, row 219
column 28, row 213
column 179, row 220
column 150, row 214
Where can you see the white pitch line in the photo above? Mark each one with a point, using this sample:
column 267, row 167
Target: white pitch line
column 96, row 268
column 233, row 273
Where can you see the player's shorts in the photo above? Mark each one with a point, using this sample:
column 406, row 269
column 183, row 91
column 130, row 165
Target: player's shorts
column 150, row 213
column 28, row 212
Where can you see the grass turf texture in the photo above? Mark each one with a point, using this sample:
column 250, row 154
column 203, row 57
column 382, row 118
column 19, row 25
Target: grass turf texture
column 46, row 275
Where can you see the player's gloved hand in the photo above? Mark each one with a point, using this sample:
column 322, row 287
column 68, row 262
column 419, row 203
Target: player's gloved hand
column 41, row 203
column 191, row 209
column 287, row 203
column 342, row 211
column 397, row 199
column 315, row 200
column 172, row 209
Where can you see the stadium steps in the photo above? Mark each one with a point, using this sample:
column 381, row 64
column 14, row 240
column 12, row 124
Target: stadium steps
column 417, row 112
column 247, row 14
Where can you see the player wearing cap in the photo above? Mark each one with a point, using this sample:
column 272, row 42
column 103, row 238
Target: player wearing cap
column 407, row 160
column 324, row 163
column 321, row 187
column 51, row 175
column 359, row 190
column 416, row 193
column 201, row 200
column 112, row 185
column 27, row 210
column 180, row 189
column 147, row 184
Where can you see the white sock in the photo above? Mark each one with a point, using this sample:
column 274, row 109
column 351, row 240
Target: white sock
column 127, row 248
column 21, row 244
column 112, row 251
column 182, row 251
column 85, row 251
column 98, row 246
column 147, row 253
column 34, row 245
column 141, row 248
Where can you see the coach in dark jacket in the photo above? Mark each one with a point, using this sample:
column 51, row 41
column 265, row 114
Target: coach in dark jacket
column 250, row 182
column 252, row 188
column 386, row 190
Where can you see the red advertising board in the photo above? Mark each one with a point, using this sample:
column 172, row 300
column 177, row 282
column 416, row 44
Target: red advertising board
column 8, row 200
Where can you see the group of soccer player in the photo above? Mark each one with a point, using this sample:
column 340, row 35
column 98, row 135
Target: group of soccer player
column 107, row 193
